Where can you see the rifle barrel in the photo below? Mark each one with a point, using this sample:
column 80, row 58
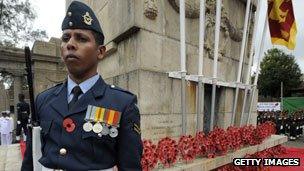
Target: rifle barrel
column 28, row 61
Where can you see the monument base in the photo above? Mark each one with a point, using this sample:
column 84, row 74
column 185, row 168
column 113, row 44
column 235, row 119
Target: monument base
column 204, row 164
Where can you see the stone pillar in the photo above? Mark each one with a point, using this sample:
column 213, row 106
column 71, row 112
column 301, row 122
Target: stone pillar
column 4, row 99
column 17, row 91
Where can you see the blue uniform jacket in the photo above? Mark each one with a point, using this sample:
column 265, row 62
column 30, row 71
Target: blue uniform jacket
column 86, row 150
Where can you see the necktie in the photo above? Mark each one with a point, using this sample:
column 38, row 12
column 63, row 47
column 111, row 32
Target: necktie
column 76, row 92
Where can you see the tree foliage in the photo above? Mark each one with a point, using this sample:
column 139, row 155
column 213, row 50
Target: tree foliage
column 278, row 67
column 16, row 22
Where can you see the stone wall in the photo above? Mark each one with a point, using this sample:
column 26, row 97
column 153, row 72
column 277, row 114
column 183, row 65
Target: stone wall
column 142, row 38
column 47, row 67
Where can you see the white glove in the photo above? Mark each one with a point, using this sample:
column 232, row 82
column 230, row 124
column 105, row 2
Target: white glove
column 18, row 122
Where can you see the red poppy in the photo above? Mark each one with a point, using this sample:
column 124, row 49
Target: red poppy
column 69, row 125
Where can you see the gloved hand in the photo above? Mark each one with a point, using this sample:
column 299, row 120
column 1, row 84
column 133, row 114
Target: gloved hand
column 18, row 122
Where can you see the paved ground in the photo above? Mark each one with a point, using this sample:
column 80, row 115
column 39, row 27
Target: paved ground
column 299, row 143
column 10, row 158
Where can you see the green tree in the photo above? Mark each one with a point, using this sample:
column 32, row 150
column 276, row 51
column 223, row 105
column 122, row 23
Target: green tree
column 277, row 67
column 16, row 23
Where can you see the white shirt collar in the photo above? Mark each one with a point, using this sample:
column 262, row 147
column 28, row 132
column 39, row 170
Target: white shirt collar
column 84, row 86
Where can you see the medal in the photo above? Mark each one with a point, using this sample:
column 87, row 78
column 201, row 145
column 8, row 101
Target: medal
column 97, row 128
column 113, row 132
column 103, row 118
column 87, row 127
column 105, row 130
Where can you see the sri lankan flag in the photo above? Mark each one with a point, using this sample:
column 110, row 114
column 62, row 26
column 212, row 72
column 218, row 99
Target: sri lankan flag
column 282, row 23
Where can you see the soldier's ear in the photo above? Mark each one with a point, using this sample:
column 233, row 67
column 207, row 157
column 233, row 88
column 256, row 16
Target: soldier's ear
column 101, row 51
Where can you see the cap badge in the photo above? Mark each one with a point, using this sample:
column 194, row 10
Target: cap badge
column 87, row 19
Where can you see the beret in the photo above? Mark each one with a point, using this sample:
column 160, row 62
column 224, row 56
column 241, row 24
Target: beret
column 81, row 16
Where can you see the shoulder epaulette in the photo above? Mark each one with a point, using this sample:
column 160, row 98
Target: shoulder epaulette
column 120, row 89
column 59, row 84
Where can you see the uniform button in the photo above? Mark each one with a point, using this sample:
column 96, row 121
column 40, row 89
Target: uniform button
column 62, row 151
column 70, row 13
column 70, row 23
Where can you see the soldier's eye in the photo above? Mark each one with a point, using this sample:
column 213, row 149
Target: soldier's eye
column 65, row 38
column 81, row 38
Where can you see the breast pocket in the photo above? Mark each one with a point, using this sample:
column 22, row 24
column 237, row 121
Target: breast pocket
column 103, row 146
column 45, row 132
column 94, row 136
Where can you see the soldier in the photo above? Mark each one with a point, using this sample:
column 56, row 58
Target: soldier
column 286, row 121
column 23, row 112
column 259, row 118
column 298, row 124
column 86, row 123
column 6, row 128
column 279, row 124
column 301, row 122
column 293, row 127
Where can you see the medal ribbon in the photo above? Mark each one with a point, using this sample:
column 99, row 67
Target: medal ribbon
column 99, row 114
column 88, row 113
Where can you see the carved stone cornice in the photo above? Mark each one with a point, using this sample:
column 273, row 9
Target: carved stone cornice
column 17, row 55
column 228, row 29
column 192, row 11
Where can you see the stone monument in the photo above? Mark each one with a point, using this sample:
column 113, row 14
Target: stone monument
column 142, row 40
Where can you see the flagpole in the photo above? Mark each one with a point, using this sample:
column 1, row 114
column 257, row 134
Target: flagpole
column 183, row 64
column 241, row 57
column 201, row 88
column 261, row 52
column 215, row 58
column 252, row 48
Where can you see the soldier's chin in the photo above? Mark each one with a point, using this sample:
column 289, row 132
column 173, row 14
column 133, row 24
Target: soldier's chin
column 76, row 72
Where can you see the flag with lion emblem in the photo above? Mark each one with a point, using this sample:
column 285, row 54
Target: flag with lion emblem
column 282, row 23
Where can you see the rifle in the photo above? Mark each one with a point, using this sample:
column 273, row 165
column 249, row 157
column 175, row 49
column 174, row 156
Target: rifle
column 28, row 62
column 34, row 129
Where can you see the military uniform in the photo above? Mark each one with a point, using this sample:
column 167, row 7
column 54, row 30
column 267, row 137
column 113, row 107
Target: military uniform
column 102, row 127
column 259, row 118
column 280, row 125
column 301, row 124
column 6, row 129
column 80, row 150
column 23, row 111
column 293, row 128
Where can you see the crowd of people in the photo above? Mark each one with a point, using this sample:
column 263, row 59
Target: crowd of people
column 290, row 124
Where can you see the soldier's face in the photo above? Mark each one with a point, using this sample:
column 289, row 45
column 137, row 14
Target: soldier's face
column 80, row 52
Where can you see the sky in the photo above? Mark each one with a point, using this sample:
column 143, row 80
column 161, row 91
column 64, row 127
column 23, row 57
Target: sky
column 50, row 14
